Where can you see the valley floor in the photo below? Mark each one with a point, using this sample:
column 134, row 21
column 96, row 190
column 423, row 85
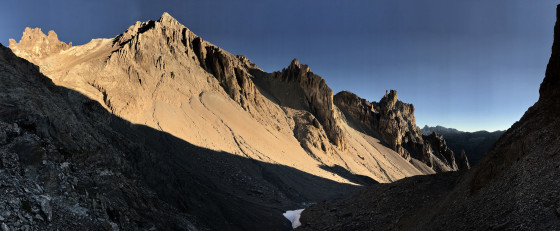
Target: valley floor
column 382, row 206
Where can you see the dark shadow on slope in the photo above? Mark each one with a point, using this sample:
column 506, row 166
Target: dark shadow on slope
column 354, row 178
column 222, row 190
column 286, row 94
column 381, row 206
column 290, row 95
column 358, row 126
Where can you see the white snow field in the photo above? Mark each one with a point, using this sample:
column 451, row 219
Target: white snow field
column 293, row 216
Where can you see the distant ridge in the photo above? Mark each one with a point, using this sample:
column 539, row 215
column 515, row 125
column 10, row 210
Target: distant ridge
column 441, row 129
column 475, row 144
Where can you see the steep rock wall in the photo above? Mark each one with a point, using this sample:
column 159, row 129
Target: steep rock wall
column 394, row 121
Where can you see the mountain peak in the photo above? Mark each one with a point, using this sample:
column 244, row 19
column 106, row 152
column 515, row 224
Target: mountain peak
column 391, row 94
column 35, row 44
column 294, row 65
column 165, row 21
column 295, row 62
column 166, row 18
column 390, row 98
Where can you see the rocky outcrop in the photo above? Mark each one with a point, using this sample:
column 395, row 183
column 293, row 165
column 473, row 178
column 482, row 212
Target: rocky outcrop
column 231, row 72
column 463, row 161
column 394, row 121
column 391, row 118
column 397, row 125
column 441, row 157
column 34, row 44
column 360, row 109
column 310, row 133
column 318, row 98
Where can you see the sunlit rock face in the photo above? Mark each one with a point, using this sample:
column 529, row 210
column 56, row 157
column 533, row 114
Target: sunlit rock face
column 35, row 44
column 394, row 121
column 318, row 98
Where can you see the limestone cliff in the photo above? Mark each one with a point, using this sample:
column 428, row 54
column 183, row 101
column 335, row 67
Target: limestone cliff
column 34, row 44
column 394, row 121
column 397, row 125
column 317, row 98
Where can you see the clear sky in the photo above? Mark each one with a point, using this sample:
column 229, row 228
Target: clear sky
column 470, row 65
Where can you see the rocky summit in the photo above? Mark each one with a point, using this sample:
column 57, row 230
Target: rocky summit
column 34, row 44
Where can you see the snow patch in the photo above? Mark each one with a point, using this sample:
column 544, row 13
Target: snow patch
column 293, row 216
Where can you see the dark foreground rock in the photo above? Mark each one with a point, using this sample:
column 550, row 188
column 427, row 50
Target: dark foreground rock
column 381, row 206
column 62, row 167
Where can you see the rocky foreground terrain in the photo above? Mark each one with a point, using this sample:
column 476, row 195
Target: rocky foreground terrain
column 64, row 163
column 159, row 129
column 516, row 185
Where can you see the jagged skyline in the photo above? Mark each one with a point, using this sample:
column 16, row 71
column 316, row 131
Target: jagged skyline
column 469, row 66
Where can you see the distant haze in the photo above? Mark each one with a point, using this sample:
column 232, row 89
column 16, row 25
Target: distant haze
column 469, row 65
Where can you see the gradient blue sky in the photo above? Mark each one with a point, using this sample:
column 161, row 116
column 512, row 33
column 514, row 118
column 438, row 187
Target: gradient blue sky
column 470, row 65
